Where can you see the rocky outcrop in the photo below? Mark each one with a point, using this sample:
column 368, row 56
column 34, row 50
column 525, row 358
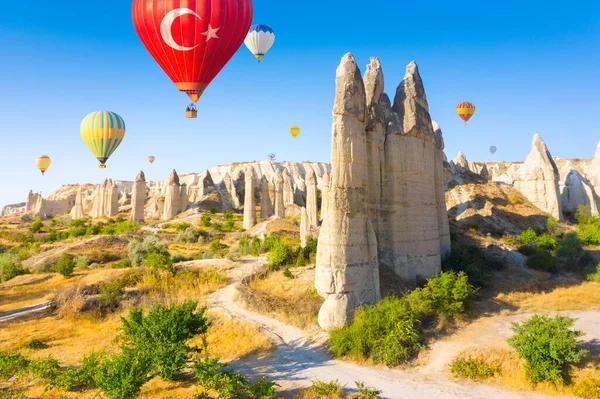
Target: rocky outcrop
column 304, row 227
column 577, row 191
column 138, row 198
column 461, row 160
column 266, row 206
column 105, row 200
column 311, row 198
column 13, row 209
column 279, row 207
column 538, row 179
column 288, row 188
column 249, row 201
column 385, row 207
column 594, row 172
column 36, row 206
column 201, row 185
column 172, row 205
column 77, row 211
column 324, row 194
column 347, row 273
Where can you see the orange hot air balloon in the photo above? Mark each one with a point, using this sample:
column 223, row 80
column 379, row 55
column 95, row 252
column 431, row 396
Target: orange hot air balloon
column 43, row 163
column 151, row 159
column 465, row 110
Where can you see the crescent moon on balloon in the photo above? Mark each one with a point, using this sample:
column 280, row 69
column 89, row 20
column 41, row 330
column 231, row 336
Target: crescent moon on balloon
column 167, row 23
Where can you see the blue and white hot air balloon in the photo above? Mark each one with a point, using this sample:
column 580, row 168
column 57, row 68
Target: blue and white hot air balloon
column 259, row 40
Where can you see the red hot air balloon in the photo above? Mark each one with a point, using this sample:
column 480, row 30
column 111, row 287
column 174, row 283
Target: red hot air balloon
column 192, row 40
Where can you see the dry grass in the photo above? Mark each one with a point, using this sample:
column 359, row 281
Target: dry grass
column 584, row 296
column 293, row 301
column 513, row 375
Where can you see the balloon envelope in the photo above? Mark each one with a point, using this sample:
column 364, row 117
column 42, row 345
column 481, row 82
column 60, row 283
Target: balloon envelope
column 151, row 159
column 192, row 40
column 102, row 132
column 465, row 110
column 259, row 40
column 43, row 163
column 294, row 131
column 493, row 149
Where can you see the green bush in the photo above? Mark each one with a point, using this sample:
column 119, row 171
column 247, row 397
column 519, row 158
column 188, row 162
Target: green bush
column 34, row 344
column 365, row 392
column 390, row 331
column 269, row 242
column 472, row 261
column 233, row 255
column 527, row 250
column 255, row 247
column 121, row 376
column 189, row 235
column 301, row 259
column 278, row 255
column 547, row 345
column 10, row 267
column 11, row 363
column 583, row 214
column 205, row 221
column 551, row 225
column 162, row 334
column 213, row 211
column 127, row 226
column 216, row 245
column 177, row 258
column 527, row 237
column 570, row 247
column 208, row 254
column 331, row 389
column 244, row 245
column 37, row 225
column 547, row 242
column 137, row 250
column 474, row 369
column 84, row 377
column 45, row 368
column 287, row 273
column 594, row 276
column 157, row 259
column 82, row 262
column 542, row 260
column 65, row 265
column 589, row 233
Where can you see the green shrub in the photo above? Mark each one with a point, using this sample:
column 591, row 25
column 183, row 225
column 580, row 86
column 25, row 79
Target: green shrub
column 278, row 255
column 570, row 247
column 527, row 250
column 122, row 375
column 471, row 260
column 162, row 334
column 589, row 233
column 34, row 344
column 84, row 377
column 77, row 231
column 228, row 215
column 287, row 273
column 189, row 235
column 255, row 247
column 216, row 245
column 301, row 259
column 269, row 242
column 527, row 237
column 77, row 223
column 137, row 250
column 205, row 221
column 233, row 255
column 551, row 225
column 213, row 211
column 474, row 369
column 244, row 245
column 11, row 363
column 10, row 267
column 594, row 276
column 365, row 392
column 447, row 293
column 82, row 262
column 208, row 254
column 542, row 260
column 177, row 258
column 37, row 225
column 127, row 226
column 65, row 265
column 157, row 259
column 111, row 293
column 583, row 214
column 45, row 368
column 547, row 242
column 547, row 345
column 331, row 389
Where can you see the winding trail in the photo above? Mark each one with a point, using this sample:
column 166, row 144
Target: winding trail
column 24, row 312
column 298, row 358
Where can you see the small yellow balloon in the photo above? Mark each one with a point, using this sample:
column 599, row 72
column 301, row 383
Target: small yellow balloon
column 151, row 159
column 43, row 163
column 294, row 131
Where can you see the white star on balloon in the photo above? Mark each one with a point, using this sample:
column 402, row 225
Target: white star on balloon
column 211, row 33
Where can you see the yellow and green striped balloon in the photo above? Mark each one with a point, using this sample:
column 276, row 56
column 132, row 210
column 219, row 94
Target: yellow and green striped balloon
column 102, row 132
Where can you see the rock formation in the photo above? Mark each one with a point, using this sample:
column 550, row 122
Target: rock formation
column 594, row 172
column 44, row 208
column 106, row 200
column 311, row 198
column 578, row 191
column 77, row 211
column 172, row 197
column 279, row 206
column 249, row 201
column 538, row 179
column 385, row 207
column 138, row 198
column 461, row 160
column 304, row 227
column 288, row 188
column 184, row 198
column 124, row 200
column 347, row 273
column 266, row 206
column 324, row 194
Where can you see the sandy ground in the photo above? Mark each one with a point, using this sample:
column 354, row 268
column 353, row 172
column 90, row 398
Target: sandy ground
column 299, row 358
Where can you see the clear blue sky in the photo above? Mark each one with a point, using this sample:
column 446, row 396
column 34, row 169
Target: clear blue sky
column 529, row 66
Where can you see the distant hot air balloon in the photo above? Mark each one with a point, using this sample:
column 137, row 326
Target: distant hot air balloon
column 259, row 40
column 151, row 159
column 102, row 132
column 294, row 131
column 493, row 149
column 43, row 163
column 465, row 110
column 192, row 40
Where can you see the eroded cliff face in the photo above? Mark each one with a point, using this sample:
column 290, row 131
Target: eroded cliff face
column 384, row 205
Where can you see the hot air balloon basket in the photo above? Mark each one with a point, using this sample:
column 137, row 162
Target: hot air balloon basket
column 191, row 114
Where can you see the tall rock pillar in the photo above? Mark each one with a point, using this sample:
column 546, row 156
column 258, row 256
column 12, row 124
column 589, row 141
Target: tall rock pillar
column 77, row 211
column 278, row 194
column 172, row 197
column 138, row 198
column 249, row 200
column 440, row 192
column 311, row 198
column 324, row 194
column 347, row 273
column 266, row 206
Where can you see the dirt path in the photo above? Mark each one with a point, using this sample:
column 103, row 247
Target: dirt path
column 23, row 312
column 299, row 359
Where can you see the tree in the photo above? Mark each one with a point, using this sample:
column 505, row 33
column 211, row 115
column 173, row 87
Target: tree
column 271, row 157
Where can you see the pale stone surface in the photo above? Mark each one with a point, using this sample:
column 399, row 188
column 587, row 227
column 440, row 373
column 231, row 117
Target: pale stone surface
column 172, row 197
column 288, row 188
column 311, row 198
column 106, row 200
column 249, row 201
column 124, row 199
column 112, row 200
column 440, row 193
column 304, row 227
column 324, row 194
column 138, row 198
column 461, row 160
column 347, row 273
column 577, row 191
column 538, row 179
column 77, row 211
column 38, row 206
column 184, row 198
column 279, row 206
column 266, row 206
